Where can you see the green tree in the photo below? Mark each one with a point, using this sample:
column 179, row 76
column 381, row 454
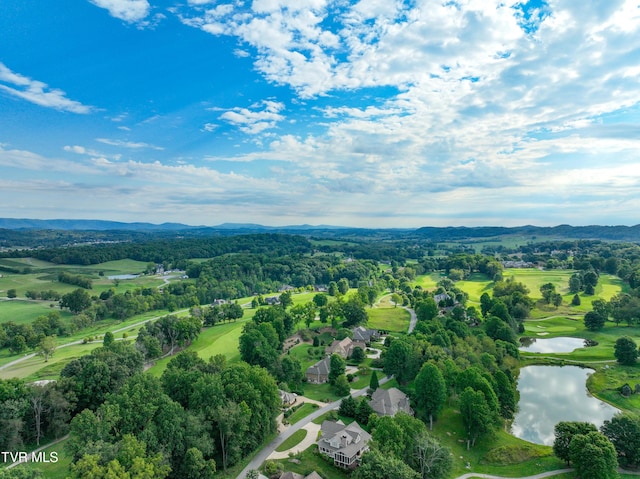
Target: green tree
column 348, row 407
column 477, row 417
column 427, row 309
column 337, row 367
column 626, row 350
column 396, row 359
column 76, row 301
column 353, row 312
column 376, row 465
column 47, row 347
column 363, row 411
column 373, row 382
column 12, row 293
column 343, row 286
column 341, row 386
column 564, row 433
column 320, row 300
column 623, row 430
column 593, row 456
column 430, row 458
column 594, row 321
column 357, row 355
column 397, row 300
column 575, row 301
column 431, row 392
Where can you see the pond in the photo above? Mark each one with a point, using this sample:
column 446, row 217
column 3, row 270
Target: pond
column 123, row 276
column 551, row 345
column 550, row 394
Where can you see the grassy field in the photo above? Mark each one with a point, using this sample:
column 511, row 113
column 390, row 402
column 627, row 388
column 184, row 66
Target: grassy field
column 293, row 440
column 51, row 470
column 388, row 317
column 219, row 339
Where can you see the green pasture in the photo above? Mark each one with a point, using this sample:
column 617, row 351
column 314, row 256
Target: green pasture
column 35, row 368
column 606, row 383
column 428, row 281
column 219, row 339
column 475, row 286
column 390, row 318
column 24, row 311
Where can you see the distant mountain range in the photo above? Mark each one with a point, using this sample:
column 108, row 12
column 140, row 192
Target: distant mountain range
column 615, row 233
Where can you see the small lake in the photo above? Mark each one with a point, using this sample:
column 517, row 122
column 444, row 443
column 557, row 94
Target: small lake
column 123, row 276
column 550, row 394
column 551, row 345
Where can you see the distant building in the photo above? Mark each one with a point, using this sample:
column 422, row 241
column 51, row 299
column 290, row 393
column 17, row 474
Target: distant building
column 389, row 402
column 272, row 300
column 365, row 335
column 287, row 397
column 344, row 348
column 319, row 372
column 344, row 444
column 295, row 475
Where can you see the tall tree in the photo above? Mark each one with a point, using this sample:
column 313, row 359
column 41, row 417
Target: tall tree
column 47, row 347
column 623, row 430
column 337, row 367
column 431, row 391
column 477, row 417
column 564, row 433
column 626, row 350
column 593, row 456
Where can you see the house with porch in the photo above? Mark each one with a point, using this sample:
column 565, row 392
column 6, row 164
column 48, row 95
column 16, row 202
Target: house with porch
column 344, row 444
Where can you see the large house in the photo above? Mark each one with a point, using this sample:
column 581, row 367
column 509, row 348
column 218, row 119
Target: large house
column 344, row 444
column 319, row 372
column 388, row 402
column 295, row 475
column 344, row 347
column 365, row 335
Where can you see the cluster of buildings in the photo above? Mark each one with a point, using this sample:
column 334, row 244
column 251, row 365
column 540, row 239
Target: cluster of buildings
column 345, row 444
column 318, row 373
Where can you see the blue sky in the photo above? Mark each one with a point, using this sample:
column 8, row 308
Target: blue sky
column 372, row 113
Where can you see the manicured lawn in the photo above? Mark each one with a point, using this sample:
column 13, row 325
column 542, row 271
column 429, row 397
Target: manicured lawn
column 311, row 460
column 301, row 353
column 475, row 286
column 389, row 318
column 499, row 453
column 320, row 392
column 428, row 281
column 35, row 368
column 219, row 339
column 302, row 412
column 293, row 440
column 24, row 311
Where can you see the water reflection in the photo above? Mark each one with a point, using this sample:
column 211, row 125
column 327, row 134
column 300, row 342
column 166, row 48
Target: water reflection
column 550, row 345
column 550, row 394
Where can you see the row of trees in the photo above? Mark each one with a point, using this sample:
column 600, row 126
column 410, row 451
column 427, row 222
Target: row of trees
column 596, row 454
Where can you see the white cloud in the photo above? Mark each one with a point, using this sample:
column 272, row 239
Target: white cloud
column 38, row 92
column 259, row 117
column 130, row 11
column 128, row 144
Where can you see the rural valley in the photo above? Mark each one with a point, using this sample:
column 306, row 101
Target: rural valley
column 239, row 354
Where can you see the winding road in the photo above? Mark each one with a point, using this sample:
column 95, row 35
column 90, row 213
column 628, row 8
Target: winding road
column 80, row 341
